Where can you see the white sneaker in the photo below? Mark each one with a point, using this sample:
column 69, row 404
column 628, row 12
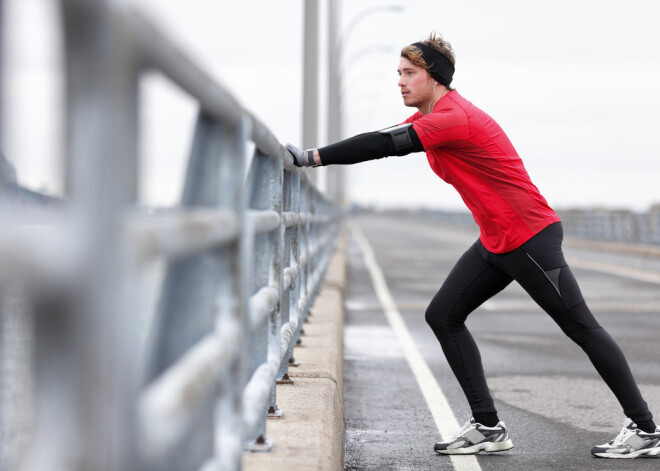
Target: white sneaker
column 474, row 437
column 631, row 442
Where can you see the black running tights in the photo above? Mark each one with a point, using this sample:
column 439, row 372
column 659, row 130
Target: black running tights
column 540, row 268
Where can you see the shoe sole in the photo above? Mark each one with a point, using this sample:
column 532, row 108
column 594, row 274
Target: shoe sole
column 474, row 449
column 653, row 452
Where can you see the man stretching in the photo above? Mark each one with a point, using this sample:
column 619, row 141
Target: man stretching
column 520, row 239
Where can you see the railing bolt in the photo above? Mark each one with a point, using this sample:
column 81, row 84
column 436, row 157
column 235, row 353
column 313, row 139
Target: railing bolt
column 274, row 412
column 285, row 379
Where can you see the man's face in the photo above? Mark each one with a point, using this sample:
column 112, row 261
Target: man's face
column 416, row 84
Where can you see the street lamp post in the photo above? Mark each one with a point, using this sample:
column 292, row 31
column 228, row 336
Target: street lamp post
column 310, row 75
column 333, row 71
column 2, row 74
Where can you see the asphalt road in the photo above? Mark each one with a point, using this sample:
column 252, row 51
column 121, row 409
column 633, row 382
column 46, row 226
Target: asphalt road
column 546, row 390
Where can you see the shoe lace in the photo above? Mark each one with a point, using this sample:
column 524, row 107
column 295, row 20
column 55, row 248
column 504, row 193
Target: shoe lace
column 620, row 438
column 460, row 431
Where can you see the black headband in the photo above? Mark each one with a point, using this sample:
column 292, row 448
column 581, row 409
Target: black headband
column 440, row 67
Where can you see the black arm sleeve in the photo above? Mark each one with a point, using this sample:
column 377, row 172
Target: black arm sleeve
column 363, row 147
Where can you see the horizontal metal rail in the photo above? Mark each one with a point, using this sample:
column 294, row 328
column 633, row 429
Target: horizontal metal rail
column 184, row 232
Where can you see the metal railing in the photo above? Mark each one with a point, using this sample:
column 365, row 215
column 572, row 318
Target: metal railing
column 612, row 225
column 244, row 262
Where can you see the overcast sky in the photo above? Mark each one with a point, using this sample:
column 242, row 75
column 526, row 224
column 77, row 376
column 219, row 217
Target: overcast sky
column 574, row 84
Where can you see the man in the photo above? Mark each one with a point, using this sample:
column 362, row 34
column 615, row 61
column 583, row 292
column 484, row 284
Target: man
column 520, row 239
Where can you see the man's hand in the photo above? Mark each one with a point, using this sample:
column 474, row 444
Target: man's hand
column 301, row 158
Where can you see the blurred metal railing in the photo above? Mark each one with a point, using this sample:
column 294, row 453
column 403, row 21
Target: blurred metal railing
column 612, row 225
column 598, row 224
column 244, row 262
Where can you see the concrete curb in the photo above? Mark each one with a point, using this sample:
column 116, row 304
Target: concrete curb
column 311, row 434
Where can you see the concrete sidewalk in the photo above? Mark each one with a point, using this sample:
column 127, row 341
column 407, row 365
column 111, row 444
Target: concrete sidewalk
column 311, row 433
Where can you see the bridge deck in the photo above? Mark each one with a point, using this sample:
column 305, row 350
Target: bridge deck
column 545, row 388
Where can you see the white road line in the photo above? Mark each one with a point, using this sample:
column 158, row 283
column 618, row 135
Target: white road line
column 437, row 403
column 618, row 270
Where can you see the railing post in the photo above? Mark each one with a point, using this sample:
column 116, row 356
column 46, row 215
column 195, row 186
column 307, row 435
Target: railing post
column 85, row 386
column 295, row 247
column 232, row 300
column 186, row 310
column 305, row 208
column 291, row 259
column 203, row 293
column 283, row 374
column 314, row 249
column 265, row 180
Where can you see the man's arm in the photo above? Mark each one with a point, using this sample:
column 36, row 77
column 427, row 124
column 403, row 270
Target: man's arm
column 398, row 140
